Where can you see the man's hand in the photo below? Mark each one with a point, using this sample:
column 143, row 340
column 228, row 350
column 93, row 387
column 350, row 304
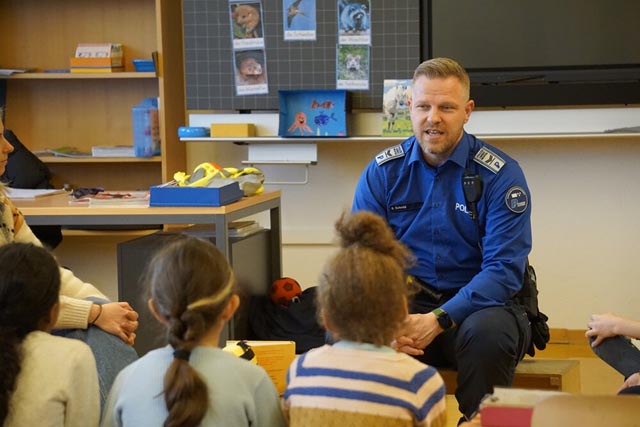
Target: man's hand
column 633, row 380
column 602, row 326
column 416, row 333
column 119, row 319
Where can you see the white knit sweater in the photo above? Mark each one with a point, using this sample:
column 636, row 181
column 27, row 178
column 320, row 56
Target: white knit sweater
column 74, row 311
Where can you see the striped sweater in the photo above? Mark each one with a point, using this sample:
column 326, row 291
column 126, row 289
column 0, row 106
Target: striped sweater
column 350, row 378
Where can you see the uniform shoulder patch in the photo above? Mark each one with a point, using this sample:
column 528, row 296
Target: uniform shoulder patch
column 389, row 154
column 516, row 199
column 489, row 160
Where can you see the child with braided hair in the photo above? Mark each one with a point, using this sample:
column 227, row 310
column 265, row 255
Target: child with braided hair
column 191, row 382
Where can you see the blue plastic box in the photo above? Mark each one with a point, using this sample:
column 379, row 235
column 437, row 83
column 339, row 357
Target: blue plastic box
column 143, row 65
column 146, row 128
column 313, row 113
column 170, row 195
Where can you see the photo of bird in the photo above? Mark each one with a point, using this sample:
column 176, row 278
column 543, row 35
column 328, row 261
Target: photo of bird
column 292, row 11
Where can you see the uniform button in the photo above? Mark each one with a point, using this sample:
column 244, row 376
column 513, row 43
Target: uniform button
column 436, row 232
column 438, row 257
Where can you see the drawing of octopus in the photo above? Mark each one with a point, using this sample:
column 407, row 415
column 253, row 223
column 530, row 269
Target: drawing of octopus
column 300, row 123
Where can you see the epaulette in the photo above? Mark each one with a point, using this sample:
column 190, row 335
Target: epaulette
column 489, row 160
column 389, row 154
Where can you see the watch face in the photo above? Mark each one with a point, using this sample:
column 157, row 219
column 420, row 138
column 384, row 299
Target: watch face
column 445, row 321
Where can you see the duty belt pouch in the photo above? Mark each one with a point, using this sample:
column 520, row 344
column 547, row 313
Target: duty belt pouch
column 528, row 298
column 427, row 297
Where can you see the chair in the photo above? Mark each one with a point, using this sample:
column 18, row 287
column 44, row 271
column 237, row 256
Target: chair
column 587, row 411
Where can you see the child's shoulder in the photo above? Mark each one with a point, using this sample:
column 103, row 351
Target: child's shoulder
column 39, row 341
column 44, row 349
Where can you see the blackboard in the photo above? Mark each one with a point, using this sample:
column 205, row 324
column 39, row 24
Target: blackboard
column 209, row 70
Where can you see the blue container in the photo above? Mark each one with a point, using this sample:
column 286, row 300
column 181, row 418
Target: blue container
column 165, row 195
column 143, row 65
column 313, row 113
column 146, row 128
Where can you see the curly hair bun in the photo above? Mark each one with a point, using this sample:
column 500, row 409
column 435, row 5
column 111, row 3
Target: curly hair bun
column 366, row 229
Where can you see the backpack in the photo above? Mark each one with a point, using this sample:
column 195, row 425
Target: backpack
column 295, row 322
column 25, row 170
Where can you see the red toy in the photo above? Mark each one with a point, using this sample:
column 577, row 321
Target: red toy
column 284, row 290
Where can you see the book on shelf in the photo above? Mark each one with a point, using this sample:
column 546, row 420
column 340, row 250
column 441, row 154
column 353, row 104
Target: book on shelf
column 396, row 120
column 12, row 71
column 235, row 228
column 30, row 194
column 117, row 199
column 113, row 151
column 68, row 151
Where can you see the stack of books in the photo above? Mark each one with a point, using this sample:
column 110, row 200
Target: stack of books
column 97, row 58
column 117, row 199
column 113, row 151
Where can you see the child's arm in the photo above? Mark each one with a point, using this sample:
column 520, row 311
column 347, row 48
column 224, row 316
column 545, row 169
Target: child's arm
column 608, row 325
column 268, row 406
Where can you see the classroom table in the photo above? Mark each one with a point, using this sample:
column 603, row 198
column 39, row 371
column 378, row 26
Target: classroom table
column 56, row 210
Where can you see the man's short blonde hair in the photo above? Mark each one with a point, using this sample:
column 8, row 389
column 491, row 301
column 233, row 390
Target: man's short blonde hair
column 442, row 68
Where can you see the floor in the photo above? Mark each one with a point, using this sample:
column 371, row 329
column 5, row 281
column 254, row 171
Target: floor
column 596, row 377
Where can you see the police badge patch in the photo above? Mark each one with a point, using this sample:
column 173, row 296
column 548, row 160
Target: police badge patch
column 489, row 160
column 516, row 200
column 389, row 154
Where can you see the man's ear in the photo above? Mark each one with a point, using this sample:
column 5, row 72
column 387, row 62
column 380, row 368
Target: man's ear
column 231, row 307
column 154, row 310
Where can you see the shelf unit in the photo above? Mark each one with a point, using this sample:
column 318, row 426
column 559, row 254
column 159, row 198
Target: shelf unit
column 52, row 109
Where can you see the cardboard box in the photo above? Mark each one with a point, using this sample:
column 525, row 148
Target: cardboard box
column 172, row 195
column 313, row 113
column 512, row 407
column 225, row 130
column 275, row 357
column 97, row 57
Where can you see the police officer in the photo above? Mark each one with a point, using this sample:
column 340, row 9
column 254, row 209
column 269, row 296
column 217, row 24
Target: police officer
column 470, row 254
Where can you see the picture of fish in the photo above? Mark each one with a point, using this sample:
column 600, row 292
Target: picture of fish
column 322, row 119
column 327, row 105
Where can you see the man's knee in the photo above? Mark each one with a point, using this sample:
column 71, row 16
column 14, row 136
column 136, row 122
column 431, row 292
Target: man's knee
column 488, row 333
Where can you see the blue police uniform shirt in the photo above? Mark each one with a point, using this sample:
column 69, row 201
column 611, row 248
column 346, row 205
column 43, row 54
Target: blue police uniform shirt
column 426, row 209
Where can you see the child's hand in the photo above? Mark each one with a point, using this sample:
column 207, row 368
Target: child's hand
column 602, row 326
column 633, row 380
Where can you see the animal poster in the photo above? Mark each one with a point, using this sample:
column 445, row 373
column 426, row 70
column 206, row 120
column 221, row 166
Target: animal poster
column 251, row 72
column 299, row 19
column 352, row 67
column 396, row 119
column 246, row 25
column 354, row 22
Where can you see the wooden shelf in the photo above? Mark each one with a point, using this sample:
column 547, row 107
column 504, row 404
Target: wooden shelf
column 54, row 159
column 93, row 109
column 78, row 76
column 108, row 233
column 394, row 139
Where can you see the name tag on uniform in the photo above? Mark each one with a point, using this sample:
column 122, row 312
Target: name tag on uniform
column 405, row 207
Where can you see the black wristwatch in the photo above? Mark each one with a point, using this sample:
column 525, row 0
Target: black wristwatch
column 444, row 320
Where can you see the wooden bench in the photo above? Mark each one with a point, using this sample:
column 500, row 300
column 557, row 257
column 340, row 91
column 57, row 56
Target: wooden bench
column 540, row 374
